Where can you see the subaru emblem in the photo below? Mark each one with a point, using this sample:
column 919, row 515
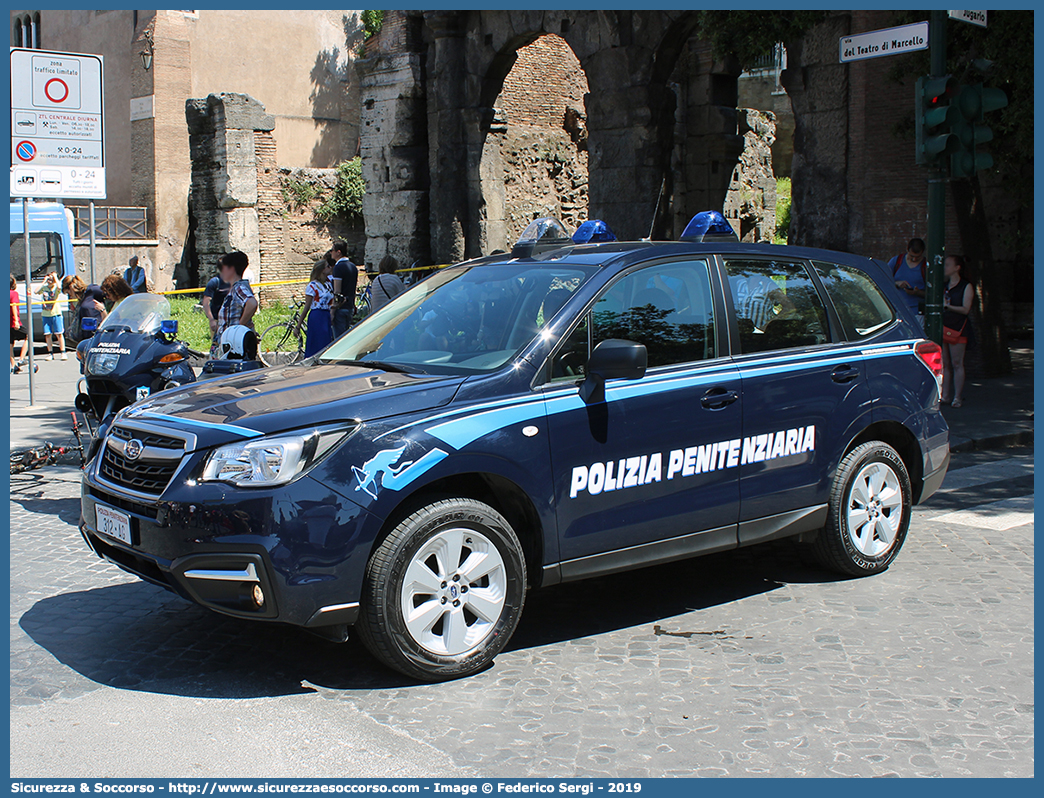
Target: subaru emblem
column 132, row 451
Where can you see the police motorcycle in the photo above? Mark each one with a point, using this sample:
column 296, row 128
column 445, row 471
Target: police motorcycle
column 132, row 354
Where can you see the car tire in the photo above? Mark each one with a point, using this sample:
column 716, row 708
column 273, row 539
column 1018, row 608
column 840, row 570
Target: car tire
column 869, row 512
column 443, row 591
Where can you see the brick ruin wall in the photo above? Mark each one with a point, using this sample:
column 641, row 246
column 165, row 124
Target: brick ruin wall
column 292, row 239
column 545, row 164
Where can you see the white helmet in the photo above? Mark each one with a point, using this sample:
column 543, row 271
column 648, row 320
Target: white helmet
column 238, row 343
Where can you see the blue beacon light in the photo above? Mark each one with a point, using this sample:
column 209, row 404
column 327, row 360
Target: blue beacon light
column 709, row 226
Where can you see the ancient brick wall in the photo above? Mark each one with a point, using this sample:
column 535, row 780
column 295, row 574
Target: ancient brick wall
column 292, row 238
column 545, row 80
column 545, row 164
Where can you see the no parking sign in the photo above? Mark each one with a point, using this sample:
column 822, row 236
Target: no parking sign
column 57, row 122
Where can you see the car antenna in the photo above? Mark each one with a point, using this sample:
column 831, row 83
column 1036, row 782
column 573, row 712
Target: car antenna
column 656, row 211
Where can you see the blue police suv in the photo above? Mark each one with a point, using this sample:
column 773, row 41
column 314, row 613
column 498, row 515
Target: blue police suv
column 563, row 411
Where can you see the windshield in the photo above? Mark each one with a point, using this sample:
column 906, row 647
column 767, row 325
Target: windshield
column 138, row 313
column 462, row 320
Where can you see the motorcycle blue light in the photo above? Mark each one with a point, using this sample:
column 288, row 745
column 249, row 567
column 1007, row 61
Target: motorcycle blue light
column 709, row 226
column 89, row 325
column 593, row 231
column 169, row 327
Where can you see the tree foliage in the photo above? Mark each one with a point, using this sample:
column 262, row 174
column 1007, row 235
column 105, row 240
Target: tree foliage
column 750, row 35
column 1008, row 43
column 373, row 21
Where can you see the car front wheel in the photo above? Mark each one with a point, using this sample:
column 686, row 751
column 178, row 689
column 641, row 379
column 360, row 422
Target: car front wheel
column 869, row 511
column 443, row 591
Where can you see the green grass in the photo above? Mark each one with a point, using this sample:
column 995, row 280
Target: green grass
column 194, row 330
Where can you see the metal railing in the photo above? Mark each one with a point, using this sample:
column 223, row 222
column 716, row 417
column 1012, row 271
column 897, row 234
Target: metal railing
column 774, row 61
column 111, row 222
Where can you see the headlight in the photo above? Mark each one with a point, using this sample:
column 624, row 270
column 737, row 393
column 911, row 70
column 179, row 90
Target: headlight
column 265, row 462
column 101, row 363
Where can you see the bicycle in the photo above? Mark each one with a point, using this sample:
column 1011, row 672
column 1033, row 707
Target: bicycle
column 47, row 454
column 282, row 343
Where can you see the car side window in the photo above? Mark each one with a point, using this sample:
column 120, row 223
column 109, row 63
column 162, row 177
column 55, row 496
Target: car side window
column 668, row 307
column 861, row 306
column 777, row 305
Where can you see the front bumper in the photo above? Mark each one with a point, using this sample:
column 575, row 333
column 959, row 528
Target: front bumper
column 304, row 545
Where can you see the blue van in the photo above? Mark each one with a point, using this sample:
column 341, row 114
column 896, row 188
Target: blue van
column 563, row 411
column 50, row 250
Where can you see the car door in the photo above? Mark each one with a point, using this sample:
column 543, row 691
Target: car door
column 804, row 392
column 649, row 473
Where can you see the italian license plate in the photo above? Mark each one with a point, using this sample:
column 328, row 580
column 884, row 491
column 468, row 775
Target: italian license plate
column 113, row 523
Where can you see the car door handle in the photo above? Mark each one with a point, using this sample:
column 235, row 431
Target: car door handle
column 717, row 398
column 844, row 374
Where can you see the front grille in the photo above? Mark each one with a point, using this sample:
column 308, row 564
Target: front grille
column 138, row 475
column 147, row 438
column 131, row 507
column 139, row 566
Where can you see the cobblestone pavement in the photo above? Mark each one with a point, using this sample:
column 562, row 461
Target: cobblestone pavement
column 747, row 663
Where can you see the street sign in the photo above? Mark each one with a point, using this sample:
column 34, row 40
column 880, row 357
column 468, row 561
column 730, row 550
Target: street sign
column 887, row 41
column 57, row 125
column 974, row 17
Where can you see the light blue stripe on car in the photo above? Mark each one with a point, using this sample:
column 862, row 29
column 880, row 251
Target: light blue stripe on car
column 246, row 433
column 462, row 431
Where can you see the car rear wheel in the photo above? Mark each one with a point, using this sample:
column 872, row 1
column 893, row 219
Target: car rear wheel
column 869, row 512
column 444, row 591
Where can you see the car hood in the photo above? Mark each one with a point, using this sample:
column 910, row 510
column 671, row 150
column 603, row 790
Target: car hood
column 272, row 400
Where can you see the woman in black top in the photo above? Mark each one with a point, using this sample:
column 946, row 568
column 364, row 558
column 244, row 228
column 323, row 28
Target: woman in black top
column 958, row 295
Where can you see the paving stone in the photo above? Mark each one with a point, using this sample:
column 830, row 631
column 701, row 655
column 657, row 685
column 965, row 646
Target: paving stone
column 745, row 663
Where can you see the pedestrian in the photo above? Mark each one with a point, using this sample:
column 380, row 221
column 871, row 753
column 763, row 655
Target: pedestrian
column 958, row 295
column 345, row 279
column 318, row 296
column 240, row 304
column 18, row 332
column 53, row 323
column 135, row 276
column 386, row 285
column 115, row 289
column 910, row 272
column 213, row 298
column 89, row 304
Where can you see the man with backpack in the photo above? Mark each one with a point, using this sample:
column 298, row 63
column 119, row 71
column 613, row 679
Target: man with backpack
column 910, row 272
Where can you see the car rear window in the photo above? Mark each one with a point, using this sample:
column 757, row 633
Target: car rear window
column 861, row 306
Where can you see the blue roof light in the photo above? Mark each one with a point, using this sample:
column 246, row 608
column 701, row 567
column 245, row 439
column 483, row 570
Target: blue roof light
column 709, row 226
column 593, row 231
column 541, row 234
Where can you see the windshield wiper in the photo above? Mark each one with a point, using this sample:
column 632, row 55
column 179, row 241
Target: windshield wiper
column 380, row 364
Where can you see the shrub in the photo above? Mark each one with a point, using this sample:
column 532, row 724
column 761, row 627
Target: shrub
column 782, row 210
column 346, row 200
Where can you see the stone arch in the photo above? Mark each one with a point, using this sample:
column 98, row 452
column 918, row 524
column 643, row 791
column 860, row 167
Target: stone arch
column 658, row 106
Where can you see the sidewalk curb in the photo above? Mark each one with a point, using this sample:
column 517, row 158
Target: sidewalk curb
column 995, row 442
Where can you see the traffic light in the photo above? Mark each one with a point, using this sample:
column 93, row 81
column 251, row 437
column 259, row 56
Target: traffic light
column 934, row 114
column 972, row 102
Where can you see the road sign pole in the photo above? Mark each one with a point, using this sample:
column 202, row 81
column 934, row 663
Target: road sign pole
column 28, row 293
column 933, row 300
column 91, row 219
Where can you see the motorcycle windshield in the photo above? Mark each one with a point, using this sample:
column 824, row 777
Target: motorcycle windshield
column 138, row 313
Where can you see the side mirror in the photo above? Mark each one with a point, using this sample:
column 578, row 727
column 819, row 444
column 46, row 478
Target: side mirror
column 614, row 358
column 89, row 325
